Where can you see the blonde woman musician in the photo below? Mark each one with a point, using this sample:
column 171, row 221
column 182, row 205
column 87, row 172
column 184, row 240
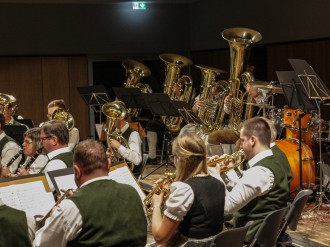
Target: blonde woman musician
column 195, row 206
column 32, row 149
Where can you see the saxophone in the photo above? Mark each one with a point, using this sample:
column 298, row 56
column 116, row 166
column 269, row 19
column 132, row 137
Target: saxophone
column 213, row 94
column 239, row 40
column 173, row 83
column 161, row 186
column 134, row 73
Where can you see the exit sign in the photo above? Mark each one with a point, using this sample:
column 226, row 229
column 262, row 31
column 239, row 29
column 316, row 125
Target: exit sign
column 139, row 5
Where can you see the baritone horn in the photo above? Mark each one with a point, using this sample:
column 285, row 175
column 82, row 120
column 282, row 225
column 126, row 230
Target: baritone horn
column 7, row 101
column 64, row 116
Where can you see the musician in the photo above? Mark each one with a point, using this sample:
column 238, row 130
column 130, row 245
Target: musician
column 32, row 149
column 133, row 153
column 8, row 149
column 74, row 133
column 101, row 212
column 17, row 228
column 194, row 209
column 263, row 187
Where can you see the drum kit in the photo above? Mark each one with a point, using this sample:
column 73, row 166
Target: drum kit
column 313, row 131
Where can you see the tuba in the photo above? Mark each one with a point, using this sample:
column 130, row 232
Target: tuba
column 176, row 87
column 64, row 116
column 113, row 111
column 239, row 40
column 7, row 101
column 213, row 94
column 134, row 73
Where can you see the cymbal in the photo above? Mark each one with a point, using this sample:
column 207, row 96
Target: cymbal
column 267, row 106
column 138, row 67
column 175, row 58
column 211, row 69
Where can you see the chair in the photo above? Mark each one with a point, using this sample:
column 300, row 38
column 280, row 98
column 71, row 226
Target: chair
column 267, row 233
column 143, row 166
column 231, row 238
column 293, row 215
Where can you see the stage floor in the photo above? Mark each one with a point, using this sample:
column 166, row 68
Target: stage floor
column 313, row 229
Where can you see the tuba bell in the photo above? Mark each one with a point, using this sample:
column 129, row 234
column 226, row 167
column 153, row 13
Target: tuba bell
column 64, row 116
column 135, row 71
column 113, row 111
column 176, row 87
column 239, row 40
column 7, row 101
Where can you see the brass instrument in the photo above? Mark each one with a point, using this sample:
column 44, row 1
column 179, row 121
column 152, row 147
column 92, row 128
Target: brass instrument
column 213, row 94
column 134, row 73
column 162, row 186
column 237, row 158
column 64, row 116
column 7, row 101
column 113, row 111
column 176, row 87
column 239, row 40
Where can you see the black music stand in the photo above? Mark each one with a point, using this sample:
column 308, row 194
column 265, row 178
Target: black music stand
column 94, row 97
column 161, row 105
column 296, row 98
column 315, row 89
column 16, row 132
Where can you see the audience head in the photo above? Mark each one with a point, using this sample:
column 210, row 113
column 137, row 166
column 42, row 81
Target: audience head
column 189, row 153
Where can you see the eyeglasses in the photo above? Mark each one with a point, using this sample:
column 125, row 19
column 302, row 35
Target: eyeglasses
column 27, row 142
column 45, row 137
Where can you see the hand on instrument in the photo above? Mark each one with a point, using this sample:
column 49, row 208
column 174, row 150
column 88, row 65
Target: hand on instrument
column 227, row 103
column 114, row 144
column 197, row 106
column 23, row 171
column 252, row 91
column 5, row 172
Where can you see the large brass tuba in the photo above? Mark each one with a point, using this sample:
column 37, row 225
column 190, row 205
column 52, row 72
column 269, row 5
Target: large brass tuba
column 7, row 101
column 239, row 40
column 135, row 71
column 213, row 93
column 113, row 111
column 176, row 87
column 64, row 116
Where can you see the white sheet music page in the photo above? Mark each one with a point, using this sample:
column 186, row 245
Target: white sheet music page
column 124, row 176
column 66, row 182
column 29, row 197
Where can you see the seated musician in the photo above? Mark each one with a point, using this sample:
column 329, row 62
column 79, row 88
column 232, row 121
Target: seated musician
column 32, row 149
column 133, row 153
column 264, row 187
column 194, row 208
column 17, row 228
column 101, row 212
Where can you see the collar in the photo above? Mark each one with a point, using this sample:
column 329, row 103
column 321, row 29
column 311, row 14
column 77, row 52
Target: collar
column 260, row 156
column 52, row 154
column 1, row 202
column 2, row 135
column 95, row 179
column 272, row 144
column 124, row 128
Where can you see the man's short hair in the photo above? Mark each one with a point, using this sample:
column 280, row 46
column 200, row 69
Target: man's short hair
column 60, row 103
column 258, row 127
column 56, row 128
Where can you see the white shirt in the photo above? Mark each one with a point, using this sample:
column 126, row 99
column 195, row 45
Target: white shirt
column 256, row 181
column 8, row 152
column 63, row 225
column 73, row 138
column 37, row 164
column 133, row 153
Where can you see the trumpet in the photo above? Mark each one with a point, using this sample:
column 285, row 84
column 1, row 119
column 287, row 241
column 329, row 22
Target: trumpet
column 237, row 158
column 160, row 187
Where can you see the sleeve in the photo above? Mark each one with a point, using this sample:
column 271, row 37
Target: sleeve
column 63, row 225
column 179, row 201
column 255, row 182
column 8, row 152
column 73, row 138
column 133, row 153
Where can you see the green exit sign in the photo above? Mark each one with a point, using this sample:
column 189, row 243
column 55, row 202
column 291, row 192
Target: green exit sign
column 139, row 5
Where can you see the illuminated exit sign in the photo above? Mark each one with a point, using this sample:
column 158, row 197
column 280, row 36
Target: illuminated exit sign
column 139, row 5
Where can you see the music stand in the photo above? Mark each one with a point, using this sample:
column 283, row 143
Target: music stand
column 94, row 96
column 16, row 132
column 296, row 98
column 315, row 89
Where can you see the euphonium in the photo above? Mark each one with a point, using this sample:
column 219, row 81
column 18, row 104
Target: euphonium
column 162, row 186
column 176, row 87
column 7, row 101
column 213, row 94
column 236, row 158
column 64, row 116
column 134, row 73
column 239, row 40
column 113, row 111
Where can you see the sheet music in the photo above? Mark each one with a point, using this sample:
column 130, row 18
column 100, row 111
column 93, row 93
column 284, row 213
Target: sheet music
column 29, row 197
column 124, row 176
column 66, row 182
